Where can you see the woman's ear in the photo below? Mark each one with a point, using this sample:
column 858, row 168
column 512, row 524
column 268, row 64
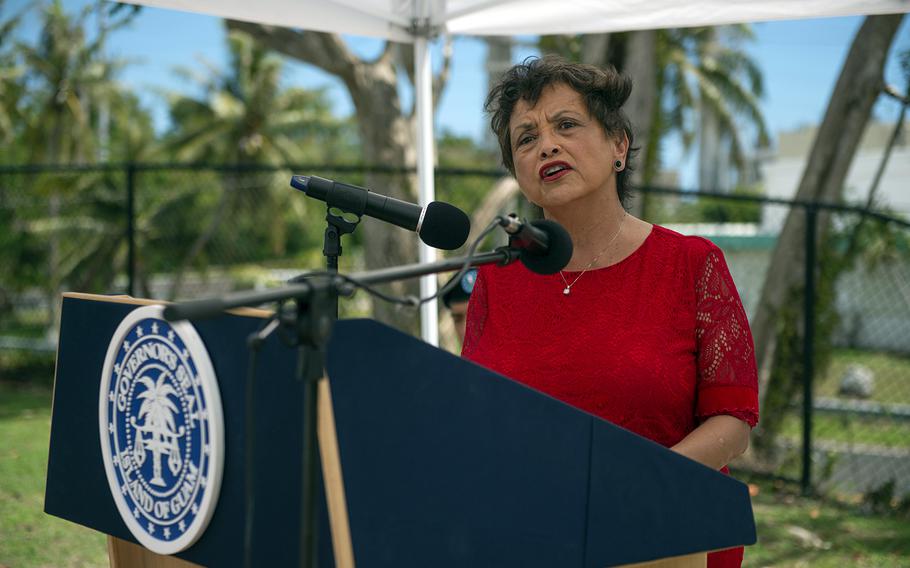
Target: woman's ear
column 621, row 146
column 620, row 151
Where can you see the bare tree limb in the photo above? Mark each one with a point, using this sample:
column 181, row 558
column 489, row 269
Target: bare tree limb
column 324, row 50
column 441, row 80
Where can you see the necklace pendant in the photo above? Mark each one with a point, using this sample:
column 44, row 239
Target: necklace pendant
column 566, row 291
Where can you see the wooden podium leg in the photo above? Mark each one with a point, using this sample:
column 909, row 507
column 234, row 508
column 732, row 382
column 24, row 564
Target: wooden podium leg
column 124, row 554
column 334, row 481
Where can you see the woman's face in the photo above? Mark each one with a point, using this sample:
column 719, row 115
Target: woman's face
column 561, row 153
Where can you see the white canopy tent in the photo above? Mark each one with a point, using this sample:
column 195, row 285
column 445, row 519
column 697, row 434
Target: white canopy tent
column 418, row 21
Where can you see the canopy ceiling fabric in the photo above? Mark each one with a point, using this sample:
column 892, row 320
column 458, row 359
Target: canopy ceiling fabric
column 392, row 19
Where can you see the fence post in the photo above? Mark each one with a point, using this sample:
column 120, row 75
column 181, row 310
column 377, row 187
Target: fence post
column 131, row 228
column 808, row 346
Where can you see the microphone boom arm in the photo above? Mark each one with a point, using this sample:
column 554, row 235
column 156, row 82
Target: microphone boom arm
column 305, row 285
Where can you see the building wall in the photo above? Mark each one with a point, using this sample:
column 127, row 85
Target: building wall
column 781, row 172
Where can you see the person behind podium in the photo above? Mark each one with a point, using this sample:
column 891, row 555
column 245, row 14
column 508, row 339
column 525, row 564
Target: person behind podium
column 456, row 301
column 644, row 326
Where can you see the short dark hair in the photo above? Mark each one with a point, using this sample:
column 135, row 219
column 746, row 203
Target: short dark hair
column 603, row 90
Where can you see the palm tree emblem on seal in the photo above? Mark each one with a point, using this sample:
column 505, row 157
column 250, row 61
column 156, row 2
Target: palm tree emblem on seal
column 159, row 433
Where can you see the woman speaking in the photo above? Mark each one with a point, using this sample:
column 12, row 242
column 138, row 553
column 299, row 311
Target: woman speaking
column 644, row 326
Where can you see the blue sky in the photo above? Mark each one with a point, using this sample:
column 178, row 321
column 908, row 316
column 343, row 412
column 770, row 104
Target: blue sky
column 800, row 61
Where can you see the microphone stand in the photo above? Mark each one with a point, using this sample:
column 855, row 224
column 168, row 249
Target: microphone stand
column 316, row 298
column 319, row 310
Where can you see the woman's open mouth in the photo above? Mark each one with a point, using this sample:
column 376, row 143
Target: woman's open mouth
column 554, row 170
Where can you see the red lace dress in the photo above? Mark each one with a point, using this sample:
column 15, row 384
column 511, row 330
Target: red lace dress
column 655, row 343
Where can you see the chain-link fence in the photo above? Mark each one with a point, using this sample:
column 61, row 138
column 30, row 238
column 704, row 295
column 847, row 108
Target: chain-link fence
column 846, row 430
column 181, row 231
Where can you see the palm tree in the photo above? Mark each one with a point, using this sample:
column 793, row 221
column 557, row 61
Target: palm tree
column 67, row 71
column 244, row 116
column 710, row 82
column 11, row 86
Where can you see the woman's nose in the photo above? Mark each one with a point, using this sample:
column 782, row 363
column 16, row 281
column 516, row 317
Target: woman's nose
column 552, row 152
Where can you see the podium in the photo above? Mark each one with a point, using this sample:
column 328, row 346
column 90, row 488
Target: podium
column 441, row 462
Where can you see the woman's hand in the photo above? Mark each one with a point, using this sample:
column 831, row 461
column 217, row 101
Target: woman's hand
column 716, row 441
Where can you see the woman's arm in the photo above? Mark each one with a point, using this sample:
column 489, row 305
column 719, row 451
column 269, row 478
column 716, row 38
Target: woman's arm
column 716, row 441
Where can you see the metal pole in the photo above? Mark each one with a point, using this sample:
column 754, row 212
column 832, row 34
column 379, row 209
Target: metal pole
column 131, row 228
column 808, row 347
column 423, row 100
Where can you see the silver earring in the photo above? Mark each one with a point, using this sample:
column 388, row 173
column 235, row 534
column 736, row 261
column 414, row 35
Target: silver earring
column 617, row 165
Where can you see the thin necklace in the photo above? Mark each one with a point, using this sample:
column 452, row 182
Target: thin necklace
column 568, row 289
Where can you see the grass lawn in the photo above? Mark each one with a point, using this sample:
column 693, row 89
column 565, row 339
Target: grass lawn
column 793, row 531
column 797, row 531
column 884, row 431
column 28, row 537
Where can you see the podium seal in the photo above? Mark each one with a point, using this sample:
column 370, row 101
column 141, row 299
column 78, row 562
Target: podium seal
column 162, row 430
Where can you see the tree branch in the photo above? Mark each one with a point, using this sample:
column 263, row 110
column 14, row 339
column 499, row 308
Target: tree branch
column 442, row 79
column 324, row 50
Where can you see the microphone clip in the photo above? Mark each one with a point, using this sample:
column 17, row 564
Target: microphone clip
column 337, row 225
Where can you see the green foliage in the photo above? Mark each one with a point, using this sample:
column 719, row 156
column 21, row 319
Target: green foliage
column 12, row 86
column 68, row 77
column 707, row 68
column 703, row 209
column 464, row 191
column 243, row 115
column 730, row 211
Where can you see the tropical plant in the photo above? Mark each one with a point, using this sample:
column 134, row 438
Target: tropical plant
column 66, row 74
column 705, row 74
column 243, row 117
column 11, row 84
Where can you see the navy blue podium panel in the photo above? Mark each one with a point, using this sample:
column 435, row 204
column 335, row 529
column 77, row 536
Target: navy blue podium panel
column 77, row 488
column 649, row 503
column 446, row 463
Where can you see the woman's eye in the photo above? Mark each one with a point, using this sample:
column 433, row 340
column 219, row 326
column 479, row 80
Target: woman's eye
column 525, row 139
column 566, row 124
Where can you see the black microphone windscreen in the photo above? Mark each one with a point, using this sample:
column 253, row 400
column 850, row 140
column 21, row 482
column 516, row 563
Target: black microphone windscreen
column 444, row 226
column 559, row 249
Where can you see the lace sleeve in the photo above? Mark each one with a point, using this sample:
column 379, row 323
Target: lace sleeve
column 476, row 317
column 727, row 373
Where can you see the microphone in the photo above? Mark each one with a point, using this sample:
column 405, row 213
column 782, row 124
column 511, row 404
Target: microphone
column 546, row 248
column 439, row 224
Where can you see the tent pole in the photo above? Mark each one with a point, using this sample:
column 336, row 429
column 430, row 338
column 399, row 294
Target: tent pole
column 423, row 98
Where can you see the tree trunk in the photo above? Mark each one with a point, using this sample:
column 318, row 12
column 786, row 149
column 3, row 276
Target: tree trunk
column 595, row 49
column 710, row 160
column 849, row 108
column 498, row 61
column 641, row 64
column 388, row 139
